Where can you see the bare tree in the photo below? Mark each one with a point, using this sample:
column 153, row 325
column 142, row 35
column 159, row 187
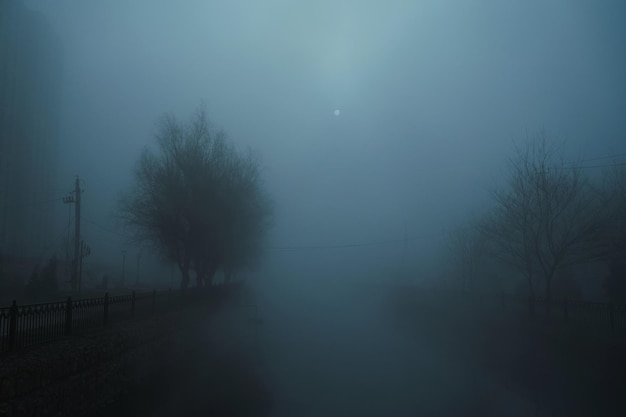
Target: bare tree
column 547, row 215
column 611, row 246
column 197, row 200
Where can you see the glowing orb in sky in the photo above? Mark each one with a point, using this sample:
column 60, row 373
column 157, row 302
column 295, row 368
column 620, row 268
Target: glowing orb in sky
column 336, row 112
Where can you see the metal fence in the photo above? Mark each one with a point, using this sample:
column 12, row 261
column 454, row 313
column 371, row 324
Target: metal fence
column 22, row 326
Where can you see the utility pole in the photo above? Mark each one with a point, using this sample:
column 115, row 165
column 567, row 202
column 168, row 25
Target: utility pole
column 77, row 241
column 69, row 200
column 85, row 251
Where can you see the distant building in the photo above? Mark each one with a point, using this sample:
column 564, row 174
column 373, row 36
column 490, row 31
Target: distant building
column 30, row 96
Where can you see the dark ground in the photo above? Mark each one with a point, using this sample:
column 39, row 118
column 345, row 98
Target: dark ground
column 353, row 353
column 563, row 369
column 342, row 353
column 205, row 371
column 348, row 353
column 180, row 362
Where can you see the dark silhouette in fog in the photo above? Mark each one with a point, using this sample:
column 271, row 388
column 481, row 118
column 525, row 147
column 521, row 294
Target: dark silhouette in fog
column 547, row 217
column 611, row 245
column 198, row 201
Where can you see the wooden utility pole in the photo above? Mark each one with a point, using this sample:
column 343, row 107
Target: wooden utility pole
column 77, row 240
column 69, row 200
column 85, row 251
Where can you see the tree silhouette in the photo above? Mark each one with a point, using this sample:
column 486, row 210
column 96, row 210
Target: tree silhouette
column 547, row 215
column 197, row 200
column 611, row 247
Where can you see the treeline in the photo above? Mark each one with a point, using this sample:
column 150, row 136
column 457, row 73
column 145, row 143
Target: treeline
column 546, row 220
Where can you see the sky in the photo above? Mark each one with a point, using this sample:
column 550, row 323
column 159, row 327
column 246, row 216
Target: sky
column 431, row 96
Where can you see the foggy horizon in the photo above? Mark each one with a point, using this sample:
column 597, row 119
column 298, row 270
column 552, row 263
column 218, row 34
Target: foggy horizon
column 432, row 95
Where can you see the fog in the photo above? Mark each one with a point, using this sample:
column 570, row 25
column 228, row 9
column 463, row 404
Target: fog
column 431, row 97
column 431, row 94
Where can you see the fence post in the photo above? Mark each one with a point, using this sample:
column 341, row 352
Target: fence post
column 106, row 308
column 153, row 299
column 132, row 305
column 12, row 326
column 612, row 315
column 565, row 309
column 68, row 316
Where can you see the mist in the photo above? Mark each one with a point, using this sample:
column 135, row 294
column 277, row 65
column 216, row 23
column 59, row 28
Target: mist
column 380, row 127
column 431, row 96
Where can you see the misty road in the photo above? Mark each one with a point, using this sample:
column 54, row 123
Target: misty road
column 337, row 355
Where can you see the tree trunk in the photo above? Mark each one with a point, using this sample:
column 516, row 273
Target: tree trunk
column 184, row 279
column 228, row 275
column 210, row 273
column 183, row 264
column 199, row 279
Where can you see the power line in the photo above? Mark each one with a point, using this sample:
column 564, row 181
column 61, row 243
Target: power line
column 106, row 229
column 308, row 247
column 33, row 203
column 98, row 240
column 354, row 245
column 381, row 242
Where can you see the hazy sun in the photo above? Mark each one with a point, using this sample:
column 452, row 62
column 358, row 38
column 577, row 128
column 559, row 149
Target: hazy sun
column 336, row 112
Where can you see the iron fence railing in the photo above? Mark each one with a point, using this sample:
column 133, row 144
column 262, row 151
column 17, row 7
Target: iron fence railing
column 22, row 326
